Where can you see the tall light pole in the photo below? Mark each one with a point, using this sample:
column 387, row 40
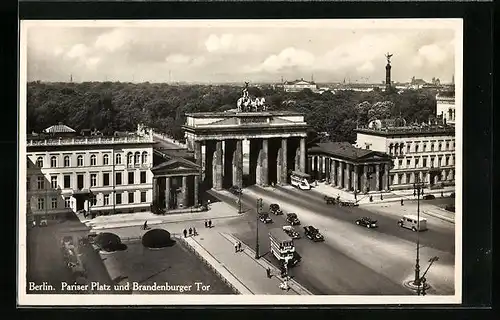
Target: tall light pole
column 423, row 280
column 259, row 206
column 417, row 187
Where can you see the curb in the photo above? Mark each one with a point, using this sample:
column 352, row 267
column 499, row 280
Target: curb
column 441, row 217
column 294, row 285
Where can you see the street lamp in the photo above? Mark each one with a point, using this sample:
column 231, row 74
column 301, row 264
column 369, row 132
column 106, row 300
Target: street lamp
column 259, row 207
column 423, row 279
column 417, row 187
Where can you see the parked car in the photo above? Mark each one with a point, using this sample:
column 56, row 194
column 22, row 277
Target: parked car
column 291, row 232
column 313, row 234
column 412, row 222
column 275, row 209
column 295, row 260
column 366, row 222
column 235, row 190
column 292, row 219
column 329, row 200
column 429, row 197
column 264, row 217
column 348, row 203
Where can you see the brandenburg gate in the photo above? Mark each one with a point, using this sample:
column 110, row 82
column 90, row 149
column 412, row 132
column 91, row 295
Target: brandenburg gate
column 277, row 144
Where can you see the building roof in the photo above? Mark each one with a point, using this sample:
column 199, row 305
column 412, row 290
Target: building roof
column 345, row 150
column 59, row 128
column 301, row 81
column 410, row 131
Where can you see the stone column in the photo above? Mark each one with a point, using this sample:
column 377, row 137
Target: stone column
column 238, row 164
column 386, row 182
column 155, row 191
column 365, row 178
column 197, row 152
column 184, row 192
column 340, row 175
column 377, row 177
column 218, row 166
column 265, row 164
column 310, row 164
column 297, row 160
column 167, row 193
column 327, row 170
column 196, row 190
column 284, row 161
column 333, row 172
column 347, row 179
column 355, row 182
column 303, row 155
column 320, row 167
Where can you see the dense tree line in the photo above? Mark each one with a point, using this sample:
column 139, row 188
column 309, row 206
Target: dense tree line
column 118, row 106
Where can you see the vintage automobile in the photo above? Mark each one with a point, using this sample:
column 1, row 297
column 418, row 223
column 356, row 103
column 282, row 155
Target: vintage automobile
column 292, row 219
column 344, row 203
column 429, row 197
column 264, row 217
column 235, row 190
column 329, row 200
column 275, row 209
column 366, row 222
column 313, row 234
column 296, row 259
column 291, row 232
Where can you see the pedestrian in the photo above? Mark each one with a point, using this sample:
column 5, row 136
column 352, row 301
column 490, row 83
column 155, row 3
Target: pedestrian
column 239, row 246
column 371, row 198
column 194, row 231
column 145, row 224
column 206, row 224
column 401, row 201
column 236, row 247
column 381, row 197
column 190, row 231
column 210, row 223
column 442, row 195
column 185, row 233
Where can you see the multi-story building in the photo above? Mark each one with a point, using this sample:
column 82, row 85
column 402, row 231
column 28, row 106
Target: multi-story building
column 424, row 154
column 299, row 85
column 67, row 172
column 445, row 106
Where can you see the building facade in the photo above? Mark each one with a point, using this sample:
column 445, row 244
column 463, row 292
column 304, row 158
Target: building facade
column 299, row 85
column 424, row 154
column 95, row 174
column 445, row 107
column 352, row 169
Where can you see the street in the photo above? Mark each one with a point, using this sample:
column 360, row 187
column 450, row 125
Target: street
column 352, row 260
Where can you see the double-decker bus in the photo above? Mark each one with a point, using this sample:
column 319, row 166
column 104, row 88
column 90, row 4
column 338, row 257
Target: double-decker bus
column 300, row 180
column 281, row 244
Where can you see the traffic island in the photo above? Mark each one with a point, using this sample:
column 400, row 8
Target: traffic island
column 411, row 284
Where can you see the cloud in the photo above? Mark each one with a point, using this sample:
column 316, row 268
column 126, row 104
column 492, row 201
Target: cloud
column 78, row 51
column 233, row 43
column 367, row 67
column 184, row 60
column 433, row 55
column 287, row 58
column 92, row 61
column 113, row 40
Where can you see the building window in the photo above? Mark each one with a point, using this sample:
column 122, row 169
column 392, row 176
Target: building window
column 137, row 157
column 408, row 163
column 66, row 161
column 67, row 181
column 432, row 147
column 439, row 147
column 93, row 160
column 416, row 162
column 118, row 178
column 424, row 147
column 408, row 178
column 447, row 145
column 79, row 161
column 39, row 162
column 144, row 157
column 143, row 196
column 93, row 179
column 79, row 181
column 41, row 203
column 106, row 199
column 408, row 147
column 432, row 162
column 394, row 179
column 143, row 177
column 440, row 159
column 54, row 203
column 53, row 162
column 67, row 202
column 40, row 182
column 400, row 177
column 447, row 160
column 53, row 182
column 424, row 162
column 105, row 160
column 416, row 148
column 130, row 178
column 130, row 158
column 118, row 159
column 118, row 198
column 130, row 197
column 93, row 200
column 400, row 163
column 105, row 179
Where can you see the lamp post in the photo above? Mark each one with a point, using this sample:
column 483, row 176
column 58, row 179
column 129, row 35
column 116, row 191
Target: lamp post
column 417, row 187
column 259, row 206
column 423, row 279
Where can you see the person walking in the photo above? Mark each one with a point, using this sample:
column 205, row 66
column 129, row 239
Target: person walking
column 236, row 247
column 185, row 233
column 210, row 223
column 194, row 232
column 401, row 201
column 239, row 245
column 145, row 225
column 190, row 231
column 206, row 224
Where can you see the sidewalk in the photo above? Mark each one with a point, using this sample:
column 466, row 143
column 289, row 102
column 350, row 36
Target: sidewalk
column 241, row 269
column 217, row 210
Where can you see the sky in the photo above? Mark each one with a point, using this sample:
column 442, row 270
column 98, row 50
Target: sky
column 214, row 51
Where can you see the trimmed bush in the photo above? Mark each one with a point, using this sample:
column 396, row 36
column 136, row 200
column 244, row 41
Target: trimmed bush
column 109, row 242
column 157, row 238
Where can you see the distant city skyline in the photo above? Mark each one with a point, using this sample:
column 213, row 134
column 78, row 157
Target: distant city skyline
column 240, row 50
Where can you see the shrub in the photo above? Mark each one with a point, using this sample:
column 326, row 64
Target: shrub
column 157, row 238
column 109, row 242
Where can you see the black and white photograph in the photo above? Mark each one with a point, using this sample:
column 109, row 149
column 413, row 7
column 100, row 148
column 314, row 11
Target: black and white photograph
column 209, row 162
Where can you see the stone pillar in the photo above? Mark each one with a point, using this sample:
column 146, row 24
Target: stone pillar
column 218, row 166
column 303, row 155
column 284, row 161
column 155, row 191
column 333, row 172
column 238, row 164
column 167, row 193
column 196, row 190
column 265, row 164
column 311, row 164
column 347, row 179
column 340, row 175
column 197, row 152
column 377, row 177
column 229, row 164
column 365, row 178
column 297, row 160
column 386, row 182
column 327, row 170
column 184, row 192
column 320, row 167
column 355, row 179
